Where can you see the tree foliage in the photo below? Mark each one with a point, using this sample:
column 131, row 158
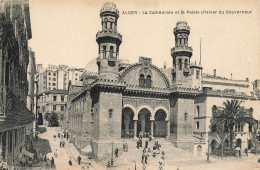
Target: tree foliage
column 53, row 119
column 230, row 115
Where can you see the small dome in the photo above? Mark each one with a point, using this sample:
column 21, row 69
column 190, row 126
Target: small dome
column 109, row 7
column 92, row 66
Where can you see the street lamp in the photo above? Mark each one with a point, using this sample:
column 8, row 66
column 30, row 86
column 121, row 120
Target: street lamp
column 112, row 154
column 135, row 164
column 208, row 160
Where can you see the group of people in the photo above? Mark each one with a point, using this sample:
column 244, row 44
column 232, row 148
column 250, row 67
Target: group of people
column 49, row 162
column 147, row 151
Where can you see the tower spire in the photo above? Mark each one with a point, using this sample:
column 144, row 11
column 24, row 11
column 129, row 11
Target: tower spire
column 109, row 41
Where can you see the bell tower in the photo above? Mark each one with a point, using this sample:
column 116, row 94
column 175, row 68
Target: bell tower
column 181, row 55
column 109, row 41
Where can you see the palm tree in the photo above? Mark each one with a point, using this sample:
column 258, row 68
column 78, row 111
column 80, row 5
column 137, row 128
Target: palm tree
column 231, row 115
column 218, row 132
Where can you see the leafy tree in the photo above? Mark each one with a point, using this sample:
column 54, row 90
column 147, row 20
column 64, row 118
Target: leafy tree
column 53, row 118
column 231, row 115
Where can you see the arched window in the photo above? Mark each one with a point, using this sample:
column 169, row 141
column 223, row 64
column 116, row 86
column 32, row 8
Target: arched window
column 214, row 109
column 111, row 51
column 180, row 64
column 186, row 63
column 197, row 124
column 148, row 81
column 198, row 111
column 186, row 116
column 104, row 51
column 105, row 24
column 141, row 80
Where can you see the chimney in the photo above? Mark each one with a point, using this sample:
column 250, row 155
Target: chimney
column 214, row 72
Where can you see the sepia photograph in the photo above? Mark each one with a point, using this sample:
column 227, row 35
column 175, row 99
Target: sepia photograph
column 129, row 85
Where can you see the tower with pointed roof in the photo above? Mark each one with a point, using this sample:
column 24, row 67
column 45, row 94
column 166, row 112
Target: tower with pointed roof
column 108, row 40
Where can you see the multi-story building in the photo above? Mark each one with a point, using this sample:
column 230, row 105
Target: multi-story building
column 122, row 100
column 57, row 77
column 40, row 77
column 52, row 101
column 30, row 77
column 16, row 120
column 31, row 98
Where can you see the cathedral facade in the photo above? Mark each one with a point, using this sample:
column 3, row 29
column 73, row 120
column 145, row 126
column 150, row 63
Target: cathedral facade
column 123, row 100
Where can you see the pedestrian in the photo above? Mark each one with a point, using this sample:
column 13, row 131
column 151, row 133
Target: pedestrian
column 52, row 162
column 30, row 164
column 63, row 144
column 137, row 144
column 79, row 159
column 140, row 142
column 163, row 155
column 40, row 156
column 23, row 161
column 44, row 158
column 144, row 150
column 56, row 153
column 143, row 158
column 70, row 162
column 47, row 163
column 161, row 165
column 144, row 166
column 116, row 152
column 60, row 144
column 246, row 151
column 146, row 144
column 150, row 138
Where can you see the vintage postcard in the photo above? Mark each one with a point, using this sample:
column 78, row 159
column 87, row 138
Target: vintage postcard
column 130, row 85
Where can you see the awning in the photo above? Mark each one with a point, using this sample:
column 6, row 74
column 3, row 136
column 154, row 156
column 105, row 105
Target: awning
column 26, row 153
column 87, row 149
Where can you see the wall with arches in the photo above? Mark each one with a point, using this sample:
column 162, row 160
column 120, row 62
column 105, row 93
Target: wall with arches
column 132, row 77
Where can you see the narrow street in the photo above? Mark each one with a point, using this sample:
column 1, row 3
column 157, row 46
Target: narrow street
column 62, row 161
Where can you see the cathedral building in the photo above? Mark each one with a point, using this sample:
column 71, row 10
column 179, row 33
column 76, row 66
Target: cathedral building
column 121, row 100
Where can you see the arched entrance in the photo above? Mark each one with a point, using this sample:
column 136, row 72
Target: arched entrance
column 199, row 150
column 160, row 129
column 127, row 123
column 144, row 122
column 213, row 146
column 238, row 143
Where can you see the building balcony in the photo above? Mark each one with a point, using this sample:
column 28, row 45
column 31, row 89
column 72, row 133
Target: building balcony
column 108, row 34
column 186, row 70
column 181, row 49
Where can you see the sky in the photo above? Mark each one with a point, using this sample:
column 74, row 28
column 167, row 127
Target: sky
column 64, row 32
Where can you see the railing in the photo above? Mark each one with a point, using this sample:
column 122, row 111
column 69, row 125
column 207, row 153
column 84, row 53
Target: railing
column 226, row 93
column 105, row 162
column 181, row 48
column 109, row 33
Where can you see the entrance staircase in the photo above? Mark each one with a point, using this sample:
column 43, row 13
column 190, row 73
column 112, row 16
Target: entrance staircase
column 107, row 161
column 173, row 155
